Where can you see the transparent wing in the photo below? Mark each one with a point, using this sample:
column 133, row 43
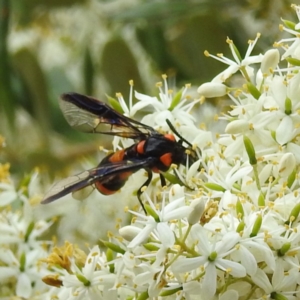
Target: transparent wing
column 69, row 185
column 101, row 173
column 88, row 114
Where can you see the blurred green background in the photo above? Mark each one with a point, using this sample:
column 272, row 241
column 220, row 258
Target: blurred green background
column 95, row 47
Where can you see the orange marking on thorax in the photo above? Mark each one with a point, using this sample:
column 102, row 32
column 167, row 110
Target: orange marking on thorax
column 170, row 136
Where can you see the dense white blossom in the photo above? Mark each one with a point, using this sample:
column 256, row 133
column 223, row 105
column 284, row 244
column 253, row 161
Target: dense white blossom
column 229, row 230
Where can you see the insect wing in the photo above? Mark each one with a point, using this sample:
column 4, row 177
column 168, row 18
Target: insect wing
column 69, row 185
column 101, row 173
column 88, row 114
column 83, row 193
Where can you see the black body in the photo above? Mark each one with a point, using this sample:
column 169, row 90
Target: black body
column 152, row 151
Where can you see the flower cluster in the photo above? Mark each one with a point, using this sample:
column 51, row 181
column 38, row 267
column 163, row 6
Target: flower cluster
column 21, row 245
column 229, row 230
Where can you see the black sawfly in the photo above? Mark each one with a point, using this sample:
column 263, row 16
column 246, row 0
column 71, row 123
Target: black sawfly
column 152, row 151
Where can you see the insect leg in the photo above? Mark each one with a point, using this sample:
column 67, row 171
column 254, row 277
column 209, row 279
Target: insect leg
column 146, row 183
column 162, row 180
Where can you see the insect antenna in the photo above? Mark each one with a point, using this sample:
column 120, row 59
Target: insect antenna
column 177, row 133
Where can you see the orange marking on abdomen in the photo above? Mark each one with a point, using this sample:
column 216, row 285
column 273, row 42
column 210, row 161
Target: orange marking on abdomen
column 140, row 147
column 117, row 156
column 166, row 159
column 103, row 190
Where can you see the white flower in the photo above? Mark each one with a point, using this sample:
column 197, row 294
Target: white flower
column 212, row 256
column 15, row 228
column 175, row 108
column 24, row 270
column 293, row 50
column 287, row 164
column 132, row 109
column 166, row 108
column 198, row 206
column 232, row 233
column 90, row 281
column 8, row 194
column 238, row 63
column 282, row 283
column 159, row 226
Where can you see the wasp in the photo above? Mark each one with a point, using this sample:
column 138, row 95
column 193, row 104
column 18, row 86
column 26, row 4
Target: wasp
column 152, row 151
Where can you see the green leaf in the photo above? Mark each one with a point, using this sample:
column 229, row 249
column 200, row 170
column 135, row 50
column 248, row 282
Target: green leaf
column 119, row 65
column 88, row 72
column 31, row 73
column 7, row 102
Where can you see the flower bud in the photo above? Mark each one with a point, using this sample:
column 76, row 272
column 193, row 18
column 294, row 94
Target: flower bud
column 212, row 89
column 294, row 214
column 214, row 187
column 176, row 100
column 239, row 209
column 253, row 90
column 169, row 292
column 240, row 227
column 287, row 164
column 261, row 200
column 198, row 209
column 277, row 296
column 22, row 262
column 129, row 232
column 250, row 150
column 291, row 179
column 293, row 61
column 213, row 256
column 289, row 24
column 256, row 226
column 83, row 279
column 284, row 249
column 53, row 280
column 237, row 126
column 288, row 106
column 114, row 247
column 270, row 61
